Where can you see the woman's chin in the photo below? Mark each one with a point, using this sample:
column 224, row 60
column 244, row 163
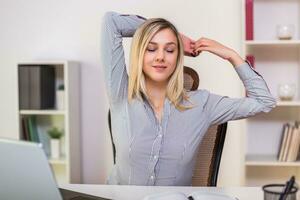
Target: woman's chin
column 158, row 79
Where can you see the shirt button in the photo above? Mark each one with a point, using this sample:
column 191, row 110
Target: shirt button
column 152, row 177
column 155, row 157
column 160, row 135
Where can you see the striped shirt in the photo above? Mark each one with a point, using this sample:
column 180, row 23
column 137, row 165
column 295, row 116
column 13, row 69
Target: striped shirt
column 149, row 152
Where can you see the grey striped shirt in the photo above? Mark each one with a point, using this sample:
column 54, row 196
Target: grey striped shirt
column 153, row 153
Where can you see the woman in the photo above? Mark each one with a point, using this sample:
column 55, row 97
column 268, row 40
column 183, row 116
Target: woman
column 157, row 125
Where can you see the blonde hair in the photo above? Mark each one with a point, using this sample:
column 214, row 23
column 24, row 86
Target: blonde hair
column 136, row 86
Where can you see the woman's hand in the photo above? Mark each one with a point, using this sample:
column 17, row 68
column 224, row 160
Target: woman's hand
column 212, row 46
column 188, row 45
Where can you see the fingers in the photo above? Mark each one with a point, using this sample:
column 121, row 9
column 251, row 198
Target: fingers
column 202, row 42
column 200, row 49
column 192, row 44
column 195, row 54
column 196, row 47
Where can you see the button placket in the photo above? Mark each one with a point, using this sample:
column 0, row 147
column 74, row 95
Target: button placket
column 155, row 155
column 158, row 143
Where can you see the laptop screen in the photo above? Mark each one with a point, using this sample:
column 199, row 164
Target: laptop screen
column 25, row 172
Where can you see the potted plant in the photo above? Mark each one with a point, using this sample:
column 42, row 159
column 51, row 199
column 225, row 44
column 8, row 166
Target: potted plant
column 60, row 93
column 55, row 135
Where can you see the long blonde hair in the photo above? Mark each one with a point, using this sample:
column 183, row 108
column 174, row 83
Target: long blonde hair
column 136, row 86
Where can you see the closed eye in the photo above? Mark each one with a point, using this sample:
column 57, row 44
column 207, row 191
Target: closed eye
column 170, row 50
column 151, row 50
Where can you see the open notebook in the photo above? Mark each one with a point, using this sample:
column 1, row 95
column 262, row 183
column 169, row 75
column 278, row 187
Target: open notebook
column 194, row 196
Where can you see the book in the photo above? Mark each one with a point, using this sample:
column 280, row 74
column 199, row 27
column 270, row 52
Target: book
column 33, row 129
column 24, row 88
column 47, row 74
column 293, row 153
column 199, row 195
column 251, row 59
column 35, row 87
column 288, row 143
column 292, row 144
column 24, row 130
column 42, row 87
column 284, row 131
column 249, row 19
column 44, row 139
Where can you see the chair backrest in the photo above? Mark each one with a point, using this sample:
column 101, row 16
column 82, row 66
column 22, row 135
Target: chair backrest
column 210, row 150
column 209, row 156
column 111, row 137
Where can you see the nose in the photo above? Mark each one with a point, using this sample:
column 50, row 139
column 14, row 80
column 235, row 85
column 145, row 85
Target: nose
column 160, row 56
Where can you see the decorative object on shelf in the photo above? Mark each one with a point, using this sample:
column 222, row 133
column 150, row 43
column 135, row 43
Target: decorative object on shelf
column 60, row 94
column 55, row 135
column 285, row 31
column 286, row 92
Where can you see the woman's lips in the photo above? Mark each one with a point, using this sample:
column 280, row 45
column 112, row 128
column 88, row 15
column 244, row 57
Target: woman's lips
column 159, row 68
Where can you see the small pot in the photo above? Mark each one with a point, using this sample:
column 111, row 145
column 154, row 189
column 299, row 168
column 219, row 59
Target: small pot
column 55, row 148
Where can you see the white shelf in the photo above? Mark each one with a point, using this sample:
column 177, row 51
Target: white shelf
column 288, row 103
column 59, row 161
column 268, row 161
column 272, row 42
column 42, row 112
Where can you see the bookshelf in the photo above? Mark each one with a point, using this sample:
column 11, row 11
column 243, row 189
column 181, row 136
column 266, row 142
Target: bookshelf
column 278, row 61
column 38, row 83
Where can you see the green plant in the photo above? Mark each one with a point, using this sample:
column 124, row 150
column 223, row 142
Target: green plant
column 55, row 133
column 61, row 87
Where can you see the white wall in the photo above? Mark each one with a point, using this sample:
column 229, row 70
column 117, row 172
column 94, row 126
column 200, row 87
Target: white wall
column 68, row 29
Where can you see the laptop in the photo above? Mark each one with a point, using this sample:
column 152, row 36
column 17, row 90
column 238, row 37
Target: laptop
column 26, row 174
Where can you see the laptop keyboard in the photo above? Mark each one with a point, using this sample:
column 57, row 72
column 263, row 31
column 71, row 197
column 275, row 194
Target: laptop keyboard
column 72, row 195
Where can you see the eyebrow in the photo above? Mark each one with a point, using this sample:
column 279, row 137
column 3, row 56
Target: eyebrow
column 169, row 43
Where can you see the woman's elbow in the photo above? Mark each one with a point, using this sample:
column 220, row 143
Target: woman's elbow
column 269, row 104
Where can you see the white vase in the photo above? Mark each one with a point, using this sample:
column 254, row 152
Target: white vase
column 55, row 148
column 60, row 99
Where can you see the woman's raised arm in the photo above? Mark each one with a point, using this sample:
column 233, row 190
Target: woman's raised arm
column 259, row 99
column 115, row 26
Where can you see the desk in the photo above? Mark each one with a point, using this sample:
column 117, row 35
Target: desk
column 124, row 192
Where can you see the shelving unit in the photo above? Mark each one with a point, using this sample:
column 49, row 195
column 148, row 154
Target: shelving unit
column 278, row 61
column 66, row 168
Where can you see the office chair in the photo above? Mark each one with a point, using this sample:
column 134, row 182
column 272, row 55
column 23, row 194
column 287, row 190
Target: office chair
column 211, row 147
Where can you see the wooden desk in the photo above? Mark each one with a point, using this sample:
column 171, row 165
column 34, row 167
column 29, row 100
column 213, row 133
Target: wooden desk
column 119, row 192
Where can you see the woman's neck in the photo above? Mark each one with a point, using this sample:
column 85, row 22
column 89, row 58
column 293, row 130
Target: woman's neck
column 156, row 93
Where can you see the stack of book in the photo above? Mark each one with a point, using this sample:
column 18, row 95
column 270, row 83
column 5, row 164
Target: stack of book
column 36, row 87
column 30, row 132
column 290, row 142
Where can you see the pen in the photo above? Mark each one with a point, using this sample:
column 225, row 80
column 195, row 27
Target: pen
column 288, row 187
